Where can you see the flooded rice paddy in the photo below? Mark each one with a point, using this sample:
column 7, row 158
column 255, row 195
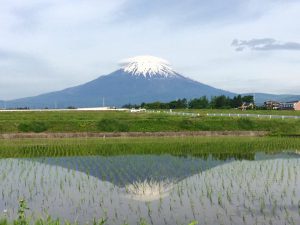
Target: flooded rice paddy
column 160, row 189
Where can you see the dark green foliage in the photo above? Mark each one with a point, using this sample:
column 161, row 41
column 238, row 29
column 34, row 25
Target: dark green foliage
column 155, row 105
column 245, row 124
column 216, row 102
column 21, row 213
column 220, row 102
column 112, row 125
column 199, row 103
column 248, row 99
column 34, row 126
column 204, row 126
column 178, row 104
column 236, row 102
column 186, row 124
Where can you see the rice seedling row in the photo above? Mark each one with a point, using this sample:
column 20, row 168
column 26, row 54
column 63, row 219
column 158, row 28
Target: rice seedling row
column 128, row 189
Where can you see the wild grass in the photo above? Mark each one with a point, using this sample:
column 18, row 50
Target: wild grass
column 218, row 146
column 23, row 220
column 50, row 221
column 76, row 121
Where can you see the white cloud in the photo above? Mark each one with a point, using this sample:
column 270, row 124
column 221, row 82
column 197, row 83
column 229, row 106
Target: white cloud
column 70, row 42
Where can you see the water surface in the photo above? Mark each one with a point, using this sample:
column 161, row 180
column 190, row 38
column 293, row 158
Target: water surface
column 162, row 189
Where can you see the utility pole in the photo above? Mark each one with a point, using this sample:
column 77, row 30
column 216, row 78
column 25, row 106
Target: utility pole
column 254, row 105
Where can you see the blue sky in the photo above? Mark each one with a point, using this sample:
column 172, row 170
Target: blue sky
column 237, row 45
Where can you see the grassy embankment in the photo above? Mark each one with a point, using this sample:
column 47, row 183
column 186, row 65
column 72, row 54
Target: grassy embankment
column 14, row 122
column 78, row 121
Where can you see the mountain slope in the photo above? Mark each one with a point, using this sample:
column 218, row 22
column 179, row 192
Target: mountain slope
column 119, row 88
column 140, row 79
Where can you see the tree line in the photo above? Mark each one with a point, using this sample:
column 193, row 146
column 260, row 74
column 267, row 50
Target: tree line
column 217, row 102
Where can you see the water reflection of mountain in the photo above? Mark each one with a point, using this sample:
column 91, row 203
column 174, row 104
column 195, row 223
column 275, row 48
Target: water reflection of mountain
column 123, row 170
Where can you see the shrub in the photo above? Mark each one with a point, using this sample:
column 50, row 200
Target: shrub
column 186, row 124
column 34, row 126
column 112, row 125
column 245, row 124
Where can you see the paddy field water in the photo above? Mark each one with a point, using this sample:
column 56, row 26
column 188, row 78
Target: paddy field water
column 257, row 188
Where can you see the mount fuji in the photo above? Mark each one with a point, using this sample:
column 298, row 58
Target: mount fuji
column 140, row 79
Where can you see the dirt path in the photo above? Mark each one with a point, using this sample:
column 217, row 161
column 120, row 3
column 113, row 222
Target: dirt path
column 134, row 134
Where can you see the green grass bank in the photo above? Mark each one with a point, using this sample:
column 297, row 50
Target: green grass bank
column 88, row 121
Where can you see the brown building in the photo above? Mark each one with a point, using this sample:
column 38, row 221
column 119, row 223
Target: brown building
column 295, row 105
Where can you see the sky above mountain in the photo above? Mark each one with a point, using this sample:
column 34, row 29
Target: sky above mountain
column 237, row 45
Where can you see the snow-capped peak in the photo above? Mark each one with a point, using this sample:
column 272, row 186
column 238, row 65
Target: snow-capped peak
column 147, row 66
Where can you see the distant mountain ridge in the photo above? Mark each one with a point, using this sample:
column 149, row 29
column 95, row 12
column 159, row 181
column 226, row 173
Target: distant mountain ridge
column 140, row 79
column 260, row 98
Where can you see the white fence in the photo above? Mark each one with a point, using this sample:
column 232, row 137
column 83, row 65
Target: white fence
column 254, row 115
column 175, row 113
column 226, row 115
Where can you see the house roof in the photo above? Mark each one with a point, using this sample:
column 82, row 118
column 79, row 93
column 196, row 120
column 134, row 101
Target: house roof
column 290, row 102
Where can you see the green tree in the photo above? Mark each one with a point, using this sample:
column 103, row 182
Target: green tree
column 248, row 99
column 236, row 101
column 220, row 102
column 199, row 103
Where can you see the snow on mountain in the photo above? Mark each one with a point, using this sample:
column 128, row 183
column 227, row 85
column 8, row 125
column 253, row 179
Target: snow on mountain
column 148, row 67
